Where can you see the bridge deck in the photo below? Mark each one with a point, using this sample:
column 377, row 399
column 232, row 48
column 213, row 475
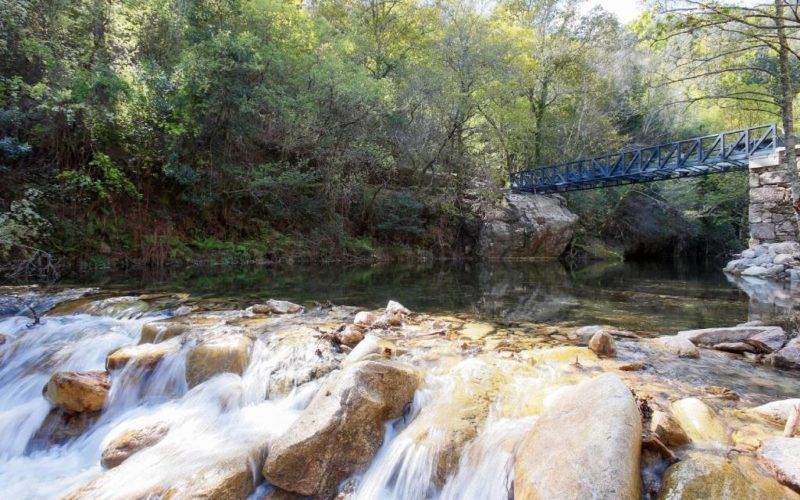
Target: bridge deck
column 706, row 155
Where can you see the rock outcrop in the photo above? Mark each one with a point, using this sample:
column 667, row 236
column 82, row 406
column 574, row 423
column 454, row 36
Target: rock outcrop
column 341, row 429
column 525, row 226
column 78, row 392
column 586, row 444
column 764, row 339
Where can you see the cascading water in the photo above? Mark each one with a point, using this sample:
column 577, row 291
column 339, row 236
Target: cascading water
column 224, row 417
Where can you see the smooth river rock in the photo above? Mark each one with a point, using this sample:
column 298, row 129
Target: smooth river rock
column 699, row 421
column 78, row 392
column 789, row 356
column 668, row 429
column 680, row 346
column 273, row 306
column 701, row 476
column 602, row 343
column 586, row 444
column 341, row 429
column 229, row 354
column 129, row 442
column 144, row 356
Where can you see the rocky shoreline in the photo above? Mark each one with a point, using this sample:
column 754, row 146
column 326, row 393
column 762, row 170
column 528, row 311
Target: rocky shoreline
column 338, row 402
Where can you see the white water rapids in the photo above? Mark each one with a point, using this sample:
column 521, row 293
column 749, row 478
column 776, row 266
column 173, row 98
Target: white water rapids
column 225, row 417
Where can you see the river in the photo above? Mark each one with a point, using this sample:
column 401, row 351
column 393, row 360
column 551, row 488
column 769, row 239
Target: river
column 220, row 419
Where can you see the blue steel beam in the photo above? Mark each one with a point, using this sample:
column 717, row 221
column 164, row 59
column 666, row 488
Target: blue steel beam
column 706, row 155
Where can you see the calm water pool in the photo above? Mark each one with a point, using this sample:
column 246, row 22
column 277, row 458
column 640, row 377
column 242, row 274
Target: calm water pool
column 647, row 297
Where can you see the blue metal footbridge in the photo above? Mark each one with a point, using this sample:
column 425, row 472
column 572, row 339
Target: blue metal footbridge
column 724, row 152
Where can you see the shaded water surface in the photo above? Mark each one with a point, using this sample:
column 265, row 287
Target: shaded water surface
column 647, row 297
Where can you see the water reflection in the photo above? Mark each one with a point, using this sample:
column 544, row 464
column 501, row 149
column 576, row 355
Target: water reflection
column 642, row 297
column 767, row 299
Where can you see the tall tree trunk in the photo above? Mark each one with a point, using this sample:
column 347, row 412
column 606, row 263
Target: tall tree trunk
column 787, row 109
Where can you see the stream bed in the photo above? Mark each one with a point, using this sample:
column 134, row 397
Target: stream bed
column 195, row 384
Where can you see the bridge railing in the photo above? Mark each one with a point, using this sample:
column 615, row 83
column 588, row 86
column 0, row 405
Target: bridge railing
column 693, row 157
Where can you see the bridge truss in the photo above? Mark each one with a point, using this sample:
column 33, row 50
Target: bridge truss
column 706, row 155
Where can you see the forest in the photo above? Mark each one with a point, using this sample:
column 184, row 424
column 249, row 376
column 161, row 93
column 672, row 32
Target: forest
column 149, row 132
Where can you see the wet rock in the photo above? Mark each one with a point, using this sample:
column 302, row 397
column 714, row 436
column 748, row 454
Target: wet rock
column 298, row 356
column 60, row 427
column 572, row 355
column 750, row 437
column 393, row 308
column 159, row 331
column 279, row 494
column 632, row 367
column 3, row 338
column 341, row 429
column 755, row 271
column 232, row 478
column 702, row 476
column 145, row 356
column 229, row 354
column 126, row 307
column 367, row 347
column 585, row 333
column 447, row 424
column 668, row 429
column 782, row 457
column 651, row 442
column 735, row 347
column 129, row 442
column 586, row 444
column 476, row 331
column 273, row 306
column 776, row 411
column 679, row 346
column 769, row 340
column 712, row 336
column 78, row 392
column 602, row 343
column 351, row 336
column 699, row 421
column 789, row 356
column 365, row 318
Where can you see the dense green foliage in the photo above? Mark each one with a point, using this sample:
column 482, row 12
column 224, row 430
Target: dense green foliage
column 151, row 130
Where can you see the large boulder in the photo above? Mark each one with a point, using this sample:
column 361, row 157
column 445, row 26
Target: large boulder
column 341, row 429
column 776, row 411
column 526, row 226
column 228, row 354
column 702, row 476
column 78, row 392
column 789, row 356
column 699, row 421
column 782, row 457
column 586, row 444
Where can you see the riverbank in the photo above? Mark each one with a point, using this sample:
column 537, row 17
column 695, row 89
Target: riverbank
column 326, row 400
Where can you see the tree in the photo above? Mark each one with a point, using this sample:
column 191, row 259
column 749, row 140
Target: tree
column 747, row 55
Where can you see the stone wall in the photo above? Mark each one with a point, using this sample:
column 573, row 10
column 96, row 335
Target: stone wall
column 771, row 214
